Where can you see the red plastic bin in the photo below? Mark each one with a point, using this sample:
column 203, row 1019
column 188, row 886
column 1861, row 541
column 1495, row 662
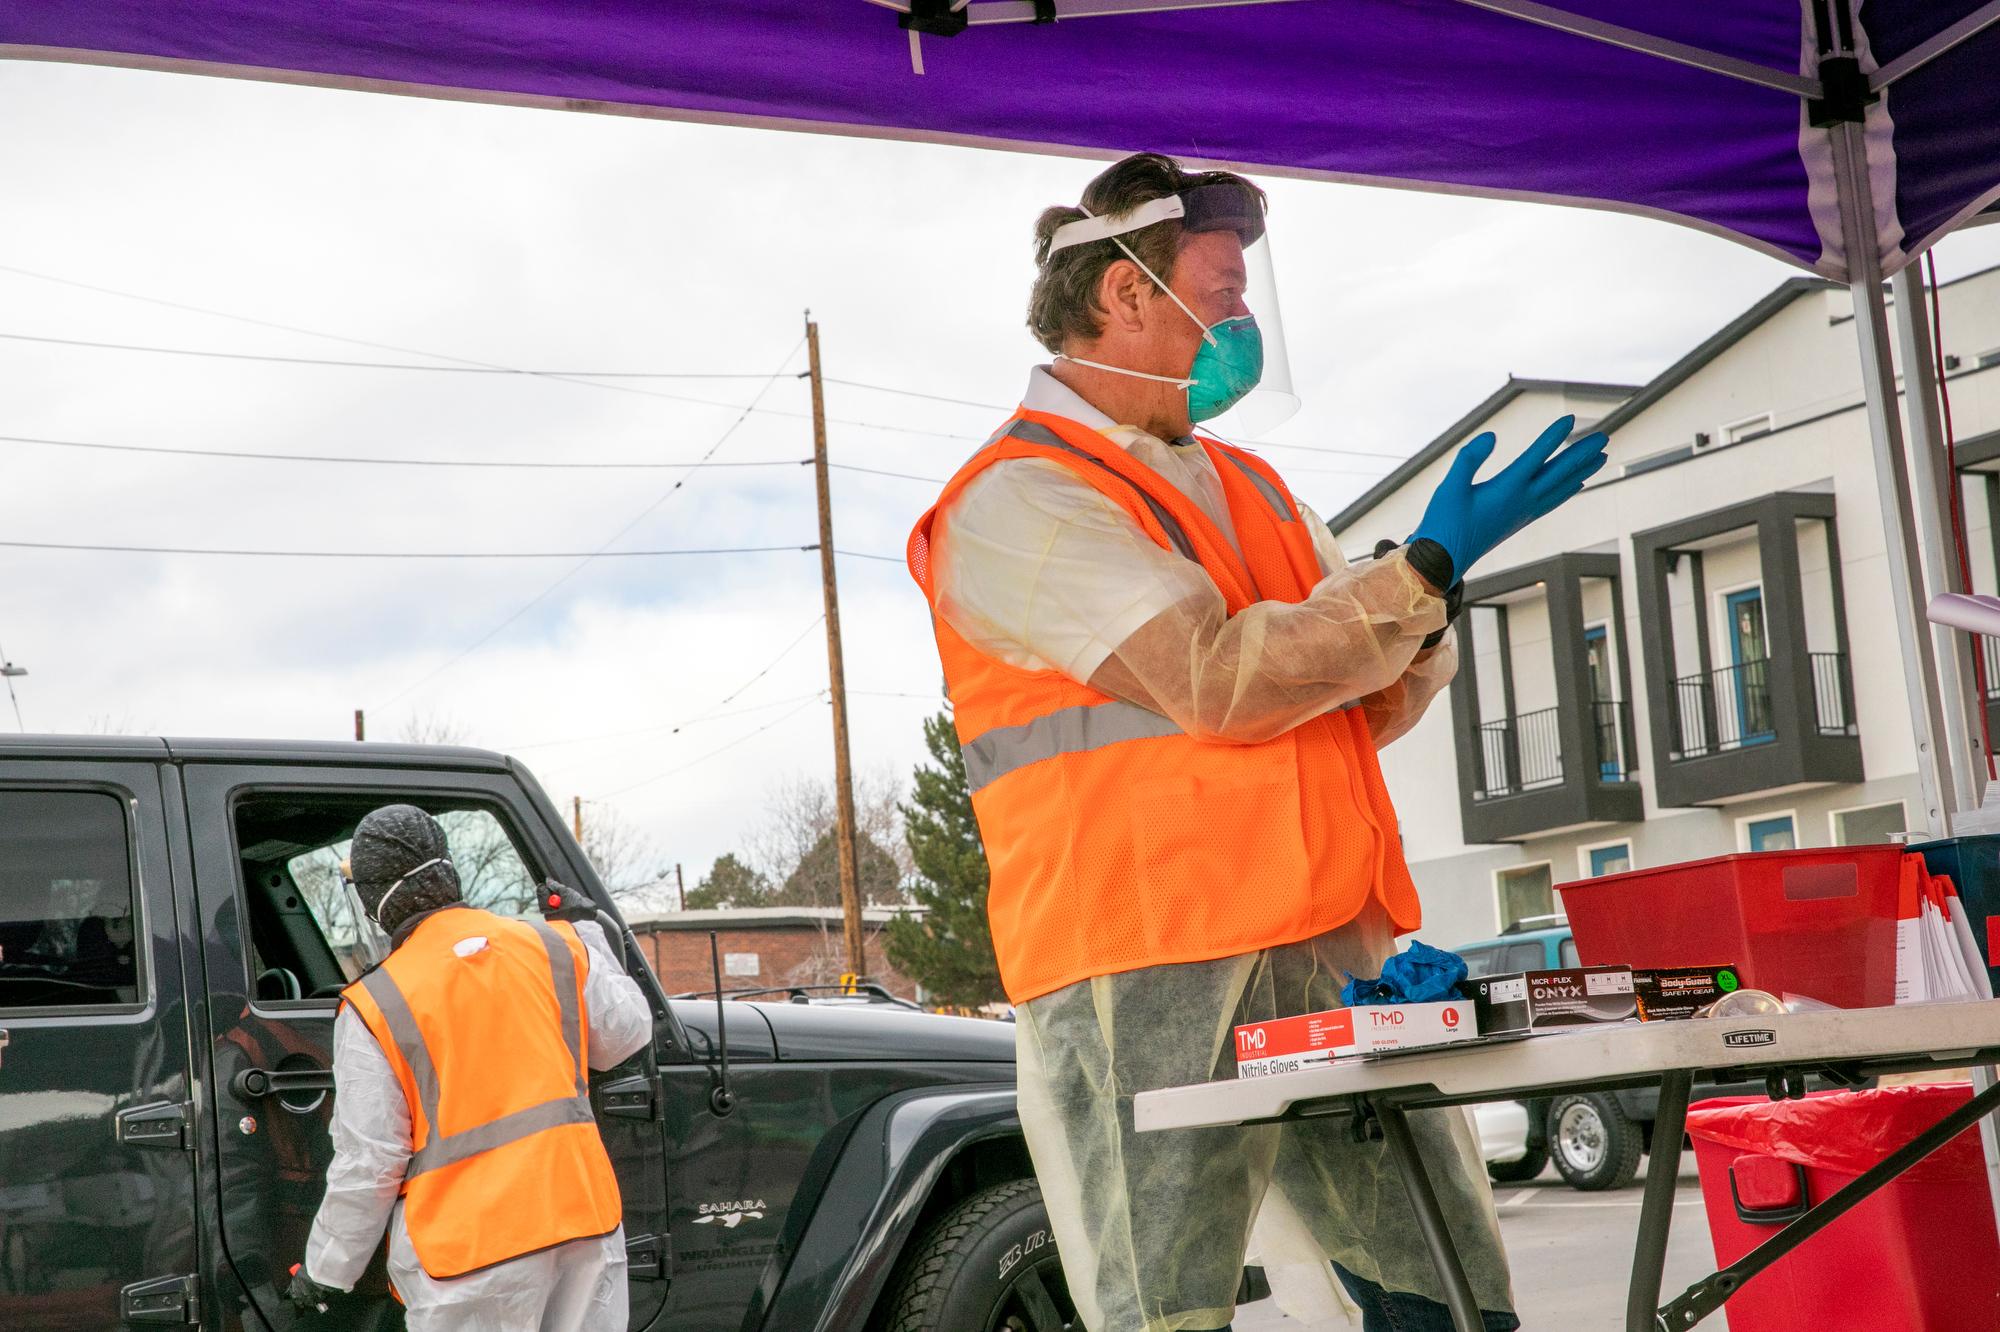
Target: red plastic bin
column 1819, row 922
column 1920, row 1255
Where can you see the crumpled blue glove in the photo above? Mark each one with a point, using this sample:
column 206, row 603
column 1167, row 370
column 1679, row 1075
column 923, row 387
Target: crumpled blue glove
column 1469, row 518
column 1420, row 974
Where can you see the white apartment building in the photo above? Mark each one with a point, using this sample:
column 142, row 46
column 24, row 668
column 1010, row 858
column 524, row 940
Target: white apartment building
column 1697, row 654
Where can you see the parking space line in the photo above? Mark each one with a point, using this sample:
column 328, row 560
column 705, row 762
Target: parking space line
column 1565, row 1205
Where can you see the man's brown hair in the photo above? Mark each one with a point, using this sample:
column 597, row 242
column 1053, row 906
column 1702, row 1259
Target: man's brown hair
column 1063, row 304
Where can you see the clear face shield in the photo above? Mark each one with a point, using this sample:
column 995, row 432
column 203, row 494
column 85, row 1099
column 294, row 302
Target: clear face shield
column 1241, row 378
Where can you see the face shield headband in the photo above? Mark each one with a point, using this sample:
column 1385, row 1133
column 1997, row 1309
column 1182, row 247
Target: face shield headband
column 1230, row 361
column 376, row 914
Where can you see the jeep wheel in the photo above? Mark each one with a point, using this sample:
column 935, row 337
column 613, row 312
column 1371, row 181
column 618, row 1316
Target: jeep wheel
column 987, row 1265
column 1594, row 1145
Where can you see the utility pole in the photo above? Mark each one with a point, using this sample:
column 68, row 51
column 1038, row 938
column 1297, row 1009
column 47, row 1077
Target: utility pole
column 680, row 882
column 360, row 725
column 843, row 773
column 576, row 817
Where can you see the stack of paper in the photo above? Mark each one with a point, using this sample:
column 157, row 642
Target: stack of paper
column 1937, row 958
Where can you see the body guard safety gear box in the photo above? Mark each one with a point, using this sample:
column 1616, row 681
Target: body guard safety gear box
column 1538, row 1000
column 1670, row 993
column 1284, row 1045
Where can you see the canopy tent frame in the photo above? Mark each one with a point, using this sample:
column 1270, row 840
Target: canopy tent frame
column 947, row 16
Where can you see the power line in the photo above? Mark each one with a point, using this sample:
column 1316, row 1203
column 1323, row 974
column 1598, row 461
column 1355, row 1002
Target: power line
column 248, row 553
column 502, row 464
column 877, row 471
column 865, row 555
column 614, row 538
column 694, row 763
column 671, row 727
column 783, row 652
column 912, row 393
column 474, row 369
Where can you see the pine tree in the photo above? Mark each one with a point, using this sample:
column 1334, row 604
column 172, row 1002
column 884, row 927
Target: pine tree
column 948, row 950
column 729, row 883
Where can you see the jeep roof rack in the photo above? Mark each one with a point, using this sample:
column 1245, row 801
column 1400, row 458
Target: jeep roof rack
column 802, row 994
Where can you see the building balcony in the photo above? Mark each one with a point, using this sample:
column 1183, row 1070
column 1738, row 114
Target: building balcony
column 1551, row 633
column 1759, row 585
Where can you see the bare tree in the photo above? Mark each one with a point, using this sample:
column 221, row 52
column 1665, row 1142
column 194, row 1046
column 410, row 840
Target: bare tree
column 433, row 728
column 797, row 834
column 626, row 859
column 115, row 723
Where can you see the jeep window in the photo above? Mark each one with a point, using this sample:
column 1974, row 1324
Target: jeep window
column 69, row 932
column 308, row 937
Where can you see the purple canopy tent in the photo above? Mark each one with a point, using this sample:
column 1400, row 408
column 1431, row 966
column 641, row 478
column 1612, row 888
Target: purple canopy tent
column 1844, row 136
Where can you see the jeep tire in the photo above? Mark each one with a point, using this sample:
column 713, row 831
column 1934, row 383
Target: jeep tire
column 988, row 1264
column 1595, row 1145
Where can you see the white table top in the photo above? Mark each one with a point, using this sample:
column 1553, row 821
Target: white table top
column 1947, row 1034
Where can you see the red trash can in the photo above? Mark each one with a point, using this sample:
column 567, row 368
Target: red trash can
column 1920, row 1255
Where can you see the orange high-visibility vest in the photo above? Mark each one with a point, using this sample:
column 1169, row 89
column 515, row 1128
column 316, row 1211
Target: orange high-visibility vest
column 491, row 1046
column 1116, row 840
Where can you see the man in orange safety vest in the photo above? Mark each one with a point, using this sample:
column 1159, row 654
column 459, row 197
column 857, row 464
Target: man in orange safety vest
column 1170, row 686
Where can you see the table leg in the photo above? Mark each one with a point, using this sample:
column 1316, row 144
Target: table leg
column 1458, row 1296
column 1656, row 1211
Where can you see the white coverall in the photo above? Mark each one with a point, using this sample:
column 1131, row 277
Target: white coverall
column 1038, row 569
column 574, row 1287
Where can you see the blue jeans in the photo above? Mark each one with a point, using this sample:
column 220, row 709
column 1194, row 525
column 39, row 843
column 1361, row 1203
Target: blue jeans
column 1389, row 1311
column 1397, row 1311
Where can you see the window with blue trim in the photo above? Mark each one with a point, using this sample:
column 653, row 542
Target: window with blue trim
column 1778, row 834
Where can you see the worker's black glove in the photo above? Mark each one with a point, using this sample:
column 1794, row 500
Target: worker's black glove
column 561, row 902
column 1433, row 563
column 307, row 1296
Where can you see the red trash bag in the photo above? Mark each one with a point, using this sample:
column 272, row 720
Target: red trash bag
column 1920, row 1255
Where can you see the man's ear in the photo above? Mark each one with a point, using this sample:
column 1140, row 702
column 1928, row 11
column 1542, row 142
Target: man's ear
column 1121, row 295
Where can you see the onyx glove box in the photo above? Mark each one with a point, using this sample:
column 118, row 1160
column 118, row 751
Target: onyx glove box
column 1540, row 1000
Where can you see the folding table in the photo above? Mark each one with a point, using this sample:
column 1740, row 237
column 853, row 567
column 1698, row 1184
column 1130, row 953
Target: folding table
column 1847, row 1047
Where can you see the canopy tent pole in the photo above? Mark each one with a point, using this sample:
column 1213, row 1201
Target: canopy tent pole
column 1935, row 495
column 1899, row 522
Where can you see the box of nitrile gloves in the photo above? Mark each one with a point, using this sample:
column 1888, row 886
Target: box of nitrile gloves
column 1669, row 993
column 1285, row 1045
column 1538, row 1000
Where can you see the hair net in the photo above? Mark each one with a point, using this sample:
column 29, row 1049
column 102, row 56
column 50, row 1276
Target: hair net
column 401, row 843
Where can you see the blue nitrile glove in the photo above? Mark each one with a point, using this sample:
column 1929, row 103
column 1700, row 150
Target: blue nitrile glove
column 1469, row 518
column 1420, row 974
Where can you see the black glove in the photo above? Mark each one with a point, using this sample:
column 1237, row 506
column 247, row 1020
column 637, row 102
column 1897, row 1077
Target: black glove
column 307, row 1296
column 560, row 902
column 1433, row 563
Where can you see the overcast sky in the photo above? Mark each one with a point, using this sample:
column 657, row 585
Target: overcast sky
column 452, row 233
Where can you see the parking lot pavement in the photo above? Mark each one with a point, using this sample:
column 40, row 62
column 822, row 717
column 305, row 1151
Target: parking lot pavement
column 1571, row 1255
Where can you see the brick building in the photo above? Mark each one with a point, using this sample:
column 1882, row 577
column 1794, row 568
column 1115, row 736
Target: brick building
column 764, row 946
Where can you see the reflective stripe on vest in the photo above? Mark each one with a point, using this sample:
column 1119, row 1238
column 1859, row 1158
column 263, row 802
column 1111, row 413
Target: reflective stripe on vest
column 440, row 1150
column 1066, row 731
column 1264, row 488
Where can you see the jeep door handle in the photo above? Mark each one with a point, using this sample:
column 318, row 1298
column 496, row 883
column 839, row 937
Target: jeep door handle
column 254, row 1084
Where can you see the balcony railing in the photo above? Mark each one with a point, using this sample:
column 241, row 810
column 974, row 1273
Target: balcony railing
column 1518, row 754
column 1524, row 753
column 1722, row 710
column 1833, row 694
column 1731, row 708
column 1612, row 723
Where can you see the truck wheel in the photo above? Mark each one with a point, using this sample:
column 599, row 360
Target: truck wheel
column 1594, row 1145
column 1522, row 1171
column 987, row 1265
